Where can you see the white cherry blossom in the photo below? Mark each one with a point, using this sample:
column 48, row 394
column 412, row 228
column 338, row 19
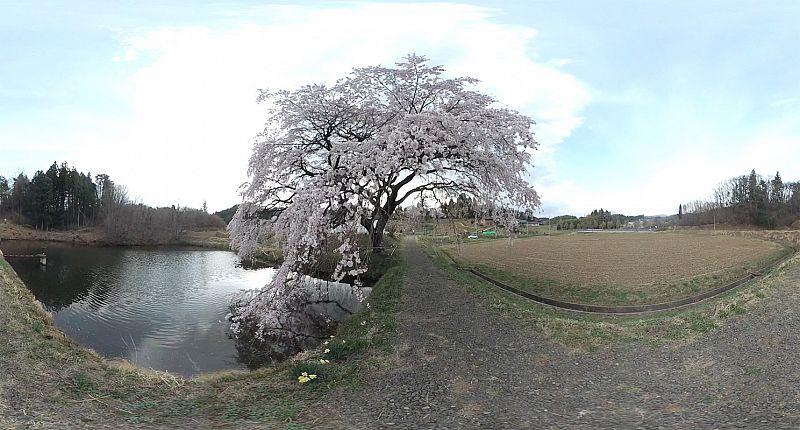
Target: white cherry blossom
column 332, row 159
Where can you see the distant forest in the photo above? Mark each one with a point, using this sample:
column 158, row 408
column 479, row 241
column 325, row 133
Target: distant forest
column 747, row 199
column 63, row 198
column 603, row 219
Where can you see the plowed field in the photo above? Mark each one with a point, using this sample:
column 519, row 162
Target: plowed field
column 629, row 267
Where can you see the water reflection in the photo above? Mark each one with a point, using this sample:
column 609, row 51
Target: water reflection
column 158, row 308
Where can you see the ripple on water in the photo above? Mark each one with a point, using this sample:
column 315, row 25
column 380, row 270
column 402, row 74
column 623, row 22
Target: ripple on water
column 159, row 308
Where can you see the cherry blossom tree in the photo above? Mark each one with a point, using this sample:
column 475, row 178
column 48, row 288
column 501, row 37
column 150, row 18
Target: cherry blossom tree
column 333, row 159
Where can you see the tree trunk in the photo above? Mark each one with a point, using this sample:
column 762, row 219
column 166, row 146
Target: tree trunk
column 377, row 235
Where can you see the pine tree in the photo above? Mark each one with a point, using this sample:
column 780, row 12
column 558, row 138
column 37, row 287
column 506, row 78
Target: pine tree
column 777, row 190
column 4, row 194
column 41, row 209
column 753, row 190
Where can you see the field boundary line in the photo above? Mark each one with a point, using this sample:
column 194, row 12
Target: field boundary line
column 626, row 309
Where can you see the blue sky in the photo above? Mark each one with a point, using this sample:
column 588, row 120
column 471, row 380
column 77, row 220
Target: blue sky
column 640, row 105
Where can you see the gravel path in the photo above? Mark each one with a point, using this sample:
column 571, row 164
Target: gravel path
column 459, row 364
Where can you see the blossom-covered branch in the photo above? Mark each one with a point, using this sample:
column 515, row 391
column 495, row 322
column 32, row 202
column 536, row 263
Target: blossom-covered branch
column 333, row 158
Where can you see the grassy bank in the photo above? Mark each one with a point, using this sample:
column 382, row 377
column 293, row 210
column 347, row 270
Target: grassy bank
column 48, row 381
column 217, row 239
column 83, row 236
column 587, row 331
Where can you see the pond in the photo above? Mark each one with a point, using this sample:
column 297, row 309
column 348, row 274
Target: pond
column 159, row 308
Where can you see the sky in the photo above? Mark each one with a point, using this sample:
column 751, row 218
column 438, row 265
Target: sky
column 639, row 105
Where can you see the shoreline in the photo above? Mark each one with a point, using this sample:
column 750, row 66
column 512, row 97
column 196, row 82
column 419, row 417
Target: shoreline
column 51, row 381
column 94, row 236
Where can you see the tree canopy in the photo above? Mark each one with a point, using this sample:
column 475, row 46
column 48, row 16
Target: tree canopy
column 333, row 159
column 748, row 199
column 60, row 197
column 64, row 198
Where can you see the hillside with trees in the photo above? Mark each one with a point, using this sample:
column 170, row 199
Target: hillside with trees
column 603, row 219
column 747, row 200
column 62, row 198
column 227, row 214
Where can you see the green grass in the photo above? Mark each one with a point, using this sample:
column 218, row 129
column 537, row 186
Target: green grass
column 589, row 331
column 374, row 325
column 601, row 294
column 82, row 383
column 752, row 370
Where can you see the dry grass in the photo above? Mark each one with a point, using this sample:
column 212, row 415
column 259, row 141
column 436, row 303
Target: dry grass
column 207, row 238
column 84, row 236
column 213, row 238
column 789, row 237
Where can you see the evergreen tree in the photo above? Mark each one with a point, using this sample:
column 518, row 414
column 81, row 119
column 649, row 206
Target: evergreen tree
column 5, row 194
column 752, row 187
column 19, row 195
column 41, row 209
column 777, row 190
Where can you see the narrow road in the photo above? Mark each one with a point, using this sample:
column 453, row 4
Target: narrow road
column 459, row 364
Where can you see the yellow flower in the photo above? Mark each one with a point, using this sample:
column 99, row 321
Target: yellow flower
column 305, row 377
column 326, row 351
column 325, row 343
column 323, row 361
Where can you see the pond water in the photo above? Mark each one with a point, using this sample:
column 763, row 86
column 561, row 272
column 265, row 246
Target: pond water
column 159, row 308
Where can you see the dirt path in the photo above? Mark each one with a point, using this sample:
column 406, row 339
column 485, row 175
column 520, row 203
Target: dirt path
column 459, row 364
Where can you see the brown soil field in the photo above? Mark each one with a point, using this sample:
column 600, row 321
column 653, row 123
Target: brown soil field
column 619, row 258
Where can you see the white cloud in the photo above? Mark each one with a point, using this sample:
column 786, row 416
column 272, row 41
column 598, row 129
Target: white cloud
column 186, row 116
column 686, row 173
column 193, row 93
column 786, row 101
